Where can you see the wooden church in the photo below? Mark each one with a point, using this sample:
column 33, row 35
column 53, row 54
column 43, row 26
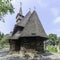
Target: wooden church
column 28, row 32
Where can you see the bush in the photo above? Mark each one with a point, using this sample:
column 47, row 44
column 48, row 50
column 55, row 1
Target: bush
column 0, row 47
column 6, row 46
column 52, row 49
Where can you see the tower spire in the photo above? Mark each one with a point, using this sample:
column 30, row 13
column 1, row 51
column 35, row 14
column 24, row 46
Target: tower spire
column 20, row 11
column 19, row 16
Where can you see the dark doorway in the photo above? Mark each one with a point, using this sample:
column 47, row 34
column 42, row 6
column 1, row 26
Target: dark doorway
column 17, row 45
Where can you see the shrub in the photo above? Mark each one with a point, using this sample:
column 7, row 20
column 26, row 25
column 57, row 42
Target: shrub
column 52, row 49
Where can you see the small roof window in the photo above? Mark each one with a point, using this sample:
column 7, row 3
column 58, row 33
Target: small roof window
column 33, row 33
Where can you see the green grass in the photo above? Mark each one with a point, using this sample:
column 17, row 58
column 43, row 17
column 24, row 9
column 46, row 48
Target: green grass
column 52, row 49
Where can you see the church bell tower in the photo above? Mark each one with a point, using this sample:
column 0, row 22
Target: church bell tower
column 19, row 16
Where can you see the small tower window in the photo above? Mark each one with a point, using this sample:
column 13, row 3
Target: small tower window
column 33, row 33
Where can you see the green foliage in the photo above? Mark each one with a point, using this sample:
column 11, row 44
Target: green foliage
column 53, row 39
column 1, row 35
column 52, row 48
column 58, row 40
column 0, row 46
column 5, row 7
column 53, row 43
column 6, row 46
column 4, row 41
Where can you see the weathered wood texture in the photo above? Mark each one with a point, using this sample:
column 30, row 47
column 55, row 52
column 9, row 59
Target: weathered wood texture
column 27, row 43
column 28, row 33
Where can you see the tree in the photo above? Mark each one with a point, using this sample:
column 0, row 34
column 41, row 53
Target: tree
column 1, row 35
column 58, row 40
column 4, row 40
column 53, row 39
column 5, row 7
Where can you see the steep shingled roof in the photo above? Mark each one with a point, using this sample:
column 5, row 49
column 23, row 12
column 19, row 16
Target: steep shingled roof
column 22, row 23
column 24, row 20
column 32, row 27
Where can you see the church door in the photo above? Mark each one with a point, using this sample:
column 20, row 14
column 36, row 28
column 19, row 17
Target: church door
column 17, row 45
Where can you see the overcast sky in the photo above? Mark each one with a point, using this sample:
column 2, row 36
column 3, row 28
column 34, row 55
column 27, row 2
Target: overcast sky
column 47, row 10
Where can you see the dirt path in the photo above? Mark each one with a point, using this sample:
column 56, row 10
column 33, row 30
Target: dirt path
column 48, row 56
column 55, row 56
